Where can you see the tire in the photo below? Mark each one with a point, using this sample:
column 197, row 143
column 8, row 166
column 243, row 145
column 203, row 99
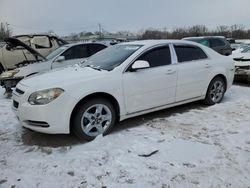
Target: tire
column 1, row 68
column 215, row 91
column 96, row 116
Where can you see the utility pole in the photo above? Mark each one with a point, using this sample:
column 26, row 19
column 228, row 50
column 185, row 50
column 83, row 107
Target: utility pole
column 100, row 30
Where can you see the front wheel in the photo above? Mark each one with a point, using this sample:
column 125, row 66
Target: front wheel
column 94, row 117
column 216, row 91
column 1, row 69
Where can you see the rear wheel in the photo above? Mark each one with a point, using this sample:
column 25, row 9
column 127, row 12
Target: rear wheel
column 216, row 91
column 95, row 117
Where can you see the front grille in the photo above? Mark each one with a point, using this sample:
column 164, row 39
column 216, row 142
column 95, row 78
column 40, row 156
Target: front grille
column 20, row 92
column 15, row 104
column 37, row 123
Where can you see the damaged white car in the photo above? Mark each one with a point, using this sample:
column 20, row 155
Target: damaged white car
column 12, row 56
column 66, row 55
column 242, row 65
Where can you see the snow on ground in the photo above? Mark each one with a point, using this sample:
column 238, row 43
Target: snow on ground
column 193, row 145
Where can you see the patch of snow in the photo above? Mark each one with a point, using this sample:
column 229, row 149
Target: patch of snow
column 200, row 147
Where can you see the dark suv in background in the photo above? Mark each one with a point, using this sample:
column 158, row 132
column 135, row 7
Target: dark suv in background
column 218, row 43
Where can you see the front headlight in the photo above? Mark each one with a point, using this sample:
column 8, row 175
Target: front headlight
column 44, row 96
column 9, row 74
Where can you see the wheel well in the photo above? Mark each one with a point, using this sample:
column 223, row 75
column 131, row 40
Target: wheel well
column 223, row 78
column 107, row 96
column 31, row 74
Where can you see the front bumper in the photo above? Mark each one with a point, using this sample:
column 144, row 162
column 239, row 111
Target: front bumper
column 242, row 74
column 53, row 118
column 10, row 82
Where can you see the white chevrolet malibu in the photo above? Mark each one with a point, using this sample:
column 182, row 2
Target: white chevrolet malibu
column 121, row 82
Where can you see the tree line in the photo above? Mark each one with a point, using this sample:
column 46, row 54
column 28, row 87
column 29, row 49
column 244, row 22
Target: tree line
column 234, row 31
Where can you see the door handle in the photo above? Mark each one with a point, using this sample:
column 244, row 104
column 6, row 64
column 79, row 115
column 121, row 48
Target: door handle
column 170, row 71
column 208, row 66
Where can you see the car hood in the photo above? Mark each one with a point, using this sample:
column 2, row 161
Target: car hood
column 62, row 77
column 13, row 42
column 33, row 68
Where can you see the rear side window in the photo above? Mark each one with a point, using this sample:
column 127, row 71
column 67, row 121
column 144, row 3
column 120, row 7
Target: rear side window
column 157, row 57
column 189, row 53
column 76, row 52
column 217, row 42
column 94, row 48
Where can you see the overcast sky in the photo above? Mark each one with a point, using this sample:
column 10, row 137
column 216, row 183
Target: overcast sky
column 68, row 16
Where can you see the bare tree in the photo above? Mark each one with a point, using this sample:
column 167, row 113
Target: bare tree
column 5, row 31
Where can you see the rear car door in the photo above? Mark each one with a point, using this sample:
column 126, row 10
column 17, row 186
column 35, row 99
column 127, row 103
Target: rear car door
column 73, row 55
column 151, row 87
column 193, row 71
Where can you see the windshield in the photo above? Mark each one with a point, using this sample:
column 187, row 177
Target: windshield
column 111, row 57
column 56, row 52
column 246, row 50
column 201, row 41
column 2, row 44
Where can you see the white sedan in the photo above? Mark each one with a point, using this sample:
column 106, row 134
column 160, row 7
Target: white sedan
column 121, row 82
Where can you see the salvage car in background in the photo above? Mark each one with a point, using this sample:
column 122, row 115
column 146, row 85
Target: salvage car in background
column 121, row 82
column 65, row 55
column 242, row 65
column 218, row 43
column 2, row 44
column 12, row 56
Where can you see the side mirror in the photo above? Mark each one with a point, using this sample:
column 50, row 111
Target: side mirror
column 60, row 59
column 140, row 64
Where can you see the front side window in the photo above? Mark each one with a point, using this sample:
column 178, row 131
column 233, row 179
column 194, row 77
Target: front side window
column 189, row 53
column 76, row 52
column 157, row 57
column 56, row 52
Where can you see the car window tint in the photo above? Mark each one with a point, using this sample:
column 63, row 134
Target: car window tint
column 94, row 48
column 189, row 53
column 157, row 57
column 81, row 51
column 205, row 43
column 217, row 42
column 76, row 52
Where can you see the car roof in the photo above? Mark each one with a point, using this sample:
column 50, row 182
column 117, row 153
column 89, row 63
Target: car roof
column 79, row 43
column 205, row 37
column 158, row 42
column 36, row 34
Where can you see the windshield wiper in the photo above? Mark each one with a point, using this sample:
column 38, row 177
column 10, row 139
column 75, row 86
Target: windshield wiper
column 96, row 68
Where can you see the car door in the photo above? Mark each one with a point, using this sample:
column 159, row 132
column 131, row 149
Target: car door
column 151, row 87
column 193, row 71
column 73, row 55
